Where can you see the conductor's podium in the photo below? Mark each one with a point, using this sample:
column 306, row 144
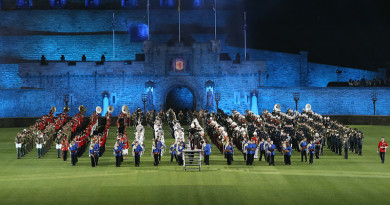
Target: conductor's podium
column 192, row 159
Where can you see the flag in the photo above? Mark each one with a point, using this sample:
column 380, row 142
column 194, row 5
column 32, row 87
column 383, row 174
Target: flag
column 178, row 7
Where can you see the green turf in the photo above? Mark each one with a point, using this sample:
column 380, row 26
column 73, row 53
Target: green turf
column 330, row 180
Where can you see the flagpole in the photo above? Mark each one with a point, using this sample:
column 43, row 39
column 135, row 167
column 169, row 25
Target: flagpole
column 148, row 20
column 215, row 19
column 245, row 34
column 179, row 22
column 113, row 37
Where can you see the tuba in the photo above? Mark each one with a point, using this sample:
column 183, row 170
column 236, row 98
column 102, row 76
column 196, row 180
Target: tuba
column 99, row 109
column 82, row 109
column 277, row 108
column 66, row 109
column 307, row 107
column 125, row 109
column 53, row 109
column 110, row 109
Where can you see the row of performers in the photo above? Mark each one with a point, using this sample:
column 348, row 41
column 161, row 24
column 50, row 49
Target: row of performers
column 281, row 128
column 95, row 135
column 42, row 134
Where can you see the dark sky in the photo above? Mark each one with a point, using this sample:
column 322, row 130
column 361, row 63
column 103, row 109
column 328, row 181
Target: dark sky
column 346, row 33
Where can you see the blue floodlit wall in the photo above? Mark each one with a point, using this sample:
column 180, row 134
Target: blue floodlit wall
column 274, row 76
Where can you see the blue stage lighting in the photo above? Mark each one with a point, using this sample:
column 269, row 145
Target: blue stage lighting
column 198, row 3
column 138, row 32
column 167, row 3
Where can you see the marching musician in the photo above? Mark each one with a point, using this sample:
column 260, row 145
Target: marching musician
column 156, row 152
column 312, row 149
column 118, row 152
column 58, row 145
column 229, row 153
column 262, row 150
column 65, row 148
column 18, row 143
column 287, row 154
column 303, row 149
column 271, row 153
column 39, row 143
column 382, row 146
column 251, row 148
column 73, row 152
column 137, row 153
column 207, row 152
column 180, row 148
column 172, row 151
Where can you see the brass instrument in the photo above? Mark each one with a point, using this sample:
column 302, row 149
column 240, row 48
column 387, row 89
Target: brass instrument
column 99, row 110
column 110, row 109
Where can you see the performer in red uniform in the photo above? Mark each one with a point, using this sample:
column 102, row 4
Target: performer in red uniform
column 65, row 148
column 382, row 146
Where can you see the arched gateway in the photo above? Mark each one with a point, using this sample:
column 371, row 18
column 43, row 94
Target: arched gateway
column 180, row 97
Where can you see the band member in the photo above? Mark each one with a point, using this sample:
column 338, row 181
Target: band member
column 58, row 146
column 382, row 146
column 303, row 149
column 180, row 148
column 73, row 152
column 262, row 150
column 118, row 152
column 271, row 153
column 39, row 143
column 65, row 148
column 312, row 149
column 251, row 148
column 137, row 153
column 156, row 153
column 172, row 151
column 207, row 152
column 18, row 144
column 95, row 152
column 287, row 154
column 229, row 153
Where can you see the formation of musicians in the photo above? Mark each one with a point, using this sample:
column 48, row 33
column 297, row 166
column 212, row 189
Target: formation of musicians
column 254, row 137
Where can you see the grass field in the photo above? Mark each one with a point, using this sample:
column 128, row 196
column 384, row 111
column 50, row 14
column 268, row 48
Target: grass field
column 330, row 180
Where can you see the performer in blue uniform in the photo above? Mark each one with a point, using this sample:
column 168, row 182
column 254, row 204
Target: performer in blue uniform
column 156, row 152
column 172, row 151
column 207, row 152
column 229, row 153
column 118, row 153
column 287, row 154
column 180, row 153
column 262, row 151
column 73, row 152
column 137, row 153
column 271, row 153
column 312, row 149
column 303, row 149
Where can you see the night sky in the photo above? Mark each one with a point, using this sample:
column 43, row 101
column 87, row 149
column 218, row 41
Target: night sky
column 345, row 33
